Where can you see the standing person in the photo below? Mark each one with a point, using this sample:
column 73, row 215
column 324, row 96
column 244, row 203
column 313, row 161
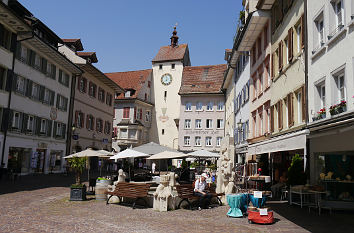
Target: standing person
column 153, row 167
column 199, row 190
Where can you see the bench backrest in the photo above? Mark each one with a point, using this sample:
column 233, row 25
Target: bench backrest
column 185, row 190
column 133, row 190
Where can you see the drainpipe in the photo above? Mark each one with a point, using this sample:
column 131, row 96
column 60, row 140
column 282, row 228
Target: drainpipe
column 10, row 93
column 70, row 116
column 307, row 147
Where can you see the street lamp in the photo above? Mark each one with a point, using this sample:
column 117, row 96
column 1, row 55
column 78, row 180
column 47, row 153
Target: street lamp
column 73, row 128
column 239, row 126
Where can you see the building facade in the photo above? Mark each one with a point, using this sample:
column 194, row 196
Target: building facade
column 133, row 109
column 202, row 110
column 330, row 94
column 167, row 68
column 37, row 115
column 93, row 102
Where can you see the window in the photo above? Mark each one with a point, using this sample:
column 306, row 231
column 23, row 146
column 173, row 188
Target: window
column 210, row 106
column 165, row 95
column 58, row 129
column 126, row 111
column 16, row 120
column 44, row 65
column 286, row 43
column 209, row 123
column 107, row 127
column 92, row 89
column 140, row 113
column 280, row 114
column 197, row 141
column 254, row 88
column 198, row 123
column 163, row 131
column 220, row 106
column 299, row 107
column 208, row 141
column 147, row 116
column 320, row 31
column 187, row 140
column 187, row 123
column 260, row 133
column 260, row 83
column 79, row 119
column 63, row 78
column 298, row 37
column 99, row 125
column 101, row 94
column 322, row 93
column 173, row 66
column 62, row 103
column 52, row 71
column 35, row 91
column 132, row 133
column 199, row 106
column 43, row 128
column 90, row 122
column 160, row 67
column 220, row 124
column 338, row 10
column 341, row 87
column 218, row 141
column 2, row 77
column 188, row 106
column 20, row 84
column 109, row 99
column 123, row 133
column 149, row 84
column 82, row 84
column 5, row 38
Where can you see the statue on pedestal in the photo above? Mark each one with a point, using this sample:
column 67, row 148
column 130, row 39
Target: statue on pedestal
column 163, row 196
column 111, row 188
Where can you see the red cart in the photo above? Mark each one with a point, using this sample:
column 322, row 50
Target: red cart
column 255, row 217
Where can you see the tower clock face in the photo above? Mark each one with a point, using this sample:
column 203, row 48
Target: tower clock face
column 166, row 79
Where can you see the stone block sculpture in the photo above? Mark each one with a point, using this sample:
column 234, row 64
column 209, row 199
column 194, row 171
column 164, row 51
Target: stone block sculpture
column 163, row 196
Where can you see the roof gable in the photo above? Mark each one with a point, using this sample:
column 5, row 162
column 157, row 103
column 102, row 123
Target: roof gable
column 170, row 53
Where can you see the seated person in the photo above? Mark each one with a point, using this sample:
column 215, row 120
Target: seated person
column 277, row 187
column 199, row 190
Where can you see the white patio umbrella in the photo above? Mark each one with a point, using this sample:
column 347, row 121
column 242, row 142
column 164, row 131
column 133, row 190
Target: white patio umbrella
column 203, row 154
column 168, row 155
column 128, row 153
column 87, row 154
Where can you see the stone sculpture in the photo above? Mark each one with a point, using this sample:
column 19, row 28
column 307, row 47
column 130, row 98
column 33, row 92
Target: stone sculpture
column 111, row 188
column 163, row 196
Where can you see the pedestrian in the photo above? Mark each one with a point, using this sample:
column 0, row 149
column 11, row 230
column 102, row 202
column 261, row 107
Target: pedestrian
column 153, row 166
column 199, row 190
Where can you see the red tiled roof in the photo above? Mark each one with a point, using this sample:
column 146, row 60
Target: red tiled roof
column 76, row 42
column 202, row 79
column 169, row 53
column 70, row 40
column 91, row 55
column 130, row 80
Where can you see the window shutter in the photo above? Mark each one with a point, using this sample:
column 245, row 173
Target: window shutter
column 24, row 122
column 28, row 85
column 97, row 129
column 134, row 113
column 18, row 50
column 41, row 93
column 302, row 31
column 290, row 110
column 65, row 104
column 76, row 118
column 93, row 123
column 63, row 131
column 33, row 58
column 272, row 118
column 58, row 99
column 290, row 44
column 13, row 42
column 10, row 82
column 49, row 127
column 37, row 125
column 280, row 115
column 87, row 122
column 54, row 71
column 280, row 56
column 55, row 129
column 303, row 104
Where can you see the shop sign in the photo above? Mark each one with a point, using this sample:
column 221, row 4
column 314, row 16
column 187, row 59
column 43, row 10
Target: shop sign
column 204, row 132
column 105, row 140
column 75, row 137
column 42, row 145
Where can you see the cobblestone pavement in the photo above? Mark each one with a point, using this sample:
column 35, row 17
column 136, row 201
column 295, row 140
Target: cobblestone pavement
column 48, row 210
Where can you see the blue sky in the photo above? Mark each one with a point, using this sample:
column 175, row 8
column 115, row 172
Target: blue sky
column 126, row 35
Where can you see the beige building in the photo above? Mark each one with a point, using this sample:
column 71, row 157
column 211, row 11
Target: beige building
column 93, row 102
column 167, row 68
column 202, row 110
column 132, row 109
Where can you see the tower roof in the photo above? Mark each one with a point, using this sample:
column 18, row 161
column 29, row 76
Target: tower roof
column 170, row 53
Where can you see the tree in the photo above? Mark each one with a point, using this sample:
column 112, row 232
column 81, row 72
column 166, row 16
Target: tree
column 296, row 174
column 78, row 164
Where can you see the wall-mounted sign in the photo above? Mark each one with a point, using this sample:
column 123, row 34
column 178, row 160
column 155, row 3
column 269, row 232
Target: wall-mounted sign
column 75, row 137
column 105, row 140
column 204, row 132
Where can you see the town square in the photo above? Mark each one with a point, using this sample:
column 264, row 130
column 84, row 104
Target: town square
column 188, row 116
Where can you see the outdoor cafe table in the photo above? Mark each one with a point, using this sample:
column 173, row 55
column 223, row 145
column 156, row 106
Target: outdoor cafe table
column 238, row 204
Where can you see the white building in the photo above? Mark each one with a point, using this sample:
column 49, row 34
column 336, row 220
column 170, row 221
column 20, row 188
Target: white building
column 167, row 68
column 331, row 81
column 36, row 119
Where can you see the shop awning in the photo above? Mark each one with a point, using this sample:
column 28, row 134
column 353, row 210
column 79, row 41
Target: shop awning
column 287, row 142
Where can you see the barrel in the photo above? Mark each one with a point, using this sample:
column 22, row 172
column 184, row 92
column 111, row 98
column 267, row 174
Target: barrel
column 101, row 188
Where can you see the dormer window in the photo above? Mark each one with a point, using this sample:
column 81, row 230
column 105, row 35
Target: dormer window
column 127, row 94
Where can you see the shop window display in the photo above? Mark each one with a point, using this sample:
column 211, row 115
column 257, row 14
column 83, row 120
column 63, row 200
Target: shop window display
column 19, row 159
column 55, row 160
column 335, row 173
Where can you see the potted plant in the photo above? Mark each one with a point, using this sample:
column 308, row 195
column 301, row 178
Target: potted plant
column 333, row 110
column 296, row 174
column 77, row 190
column 342, row 106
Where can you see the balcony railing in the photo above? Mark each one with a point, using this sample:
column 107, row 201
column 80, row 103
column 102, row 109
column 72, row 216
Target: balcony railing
column 335, row 31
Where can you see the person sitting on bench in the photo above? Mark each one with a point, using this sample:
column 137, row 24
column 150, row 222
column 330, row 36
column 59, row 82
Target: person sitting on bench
column 199, row 190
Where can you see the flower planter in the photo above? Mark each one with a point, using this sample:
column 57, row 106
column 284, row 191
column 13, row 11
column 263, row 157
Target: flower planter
column 78, row 193
column 341, row 109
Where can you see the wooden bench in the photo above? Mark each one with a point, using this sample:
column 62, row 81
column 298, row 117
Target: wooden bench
column 130, row 190
column 186, row 193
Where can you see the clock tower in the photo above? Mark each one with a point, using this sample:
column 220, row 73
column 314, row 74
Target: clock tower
column 167, row 69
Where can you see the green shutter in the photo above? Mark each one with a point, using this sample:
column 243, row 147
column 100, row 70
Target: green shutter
column 41, row 93
column 29, row 84
column 63, row 131
column 13, row 42
column 55, row 129
column 58, row 98
column 24, row 122
column 52, row 96
column 54, row 72
column 60, row 78
column 18, row 50
column 37, row 123
column 49, row 127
